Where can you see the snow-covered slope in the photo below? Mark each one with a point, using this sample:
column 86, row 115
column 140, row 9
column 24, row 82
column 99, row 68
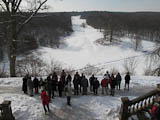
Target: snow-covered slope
column 81, row 49
column 90, row 107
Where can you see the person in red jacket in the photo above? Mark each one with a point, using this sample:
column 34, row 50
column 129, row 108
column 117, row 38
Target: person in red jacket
column 156, row 109
column 45, row 101
column 104, row 84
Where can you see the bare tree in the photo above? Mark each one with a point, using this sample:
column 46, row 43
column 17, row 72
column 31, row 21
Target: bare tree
column 2, row 70
column 16, row 18
column 114, row 70
column 149, row 67
column 30, row 65
column 155, row 56
column 56, row 66
column 130, row 65
column 90, row 69
column 53, row 66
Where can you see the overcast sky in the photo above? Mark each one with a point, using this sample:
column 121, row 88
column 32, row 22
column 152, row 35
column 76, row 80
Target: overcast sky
column 105, row 5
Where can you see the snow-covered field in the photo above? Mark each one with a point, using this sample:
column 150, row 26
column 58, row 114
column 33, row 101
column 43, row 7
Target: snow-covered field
column 81, row 49
column 90, row 107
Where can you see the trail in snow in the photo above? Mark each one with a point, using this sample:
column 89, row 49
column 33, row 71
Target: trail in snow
column 81, row 49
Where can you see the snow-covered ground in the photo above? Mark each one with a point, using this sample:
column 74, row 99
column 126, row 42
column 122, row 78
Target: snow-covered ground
column 81, row 49
column 90, row 107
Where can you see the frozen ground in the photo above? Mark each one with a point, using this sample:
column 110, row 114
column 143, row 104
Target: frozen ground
column 88, row 107
column 81, row 49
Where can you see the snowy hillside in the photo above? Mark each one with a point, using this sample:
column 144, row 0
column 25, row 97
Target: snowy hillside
column 81, row 49
column 88, row 107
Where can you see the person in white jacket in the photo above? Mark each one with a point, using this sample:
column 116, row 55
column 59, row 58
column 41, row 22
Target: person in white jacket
column 68, row 90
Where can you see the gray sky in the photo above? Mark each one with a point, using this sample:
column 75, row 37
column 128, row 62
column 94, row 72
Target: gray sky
column 105, row 5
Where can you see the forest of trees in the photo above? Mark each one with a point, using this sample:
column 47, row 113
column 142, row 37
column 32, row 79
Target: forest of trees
column 43, row 30
column 137, row 25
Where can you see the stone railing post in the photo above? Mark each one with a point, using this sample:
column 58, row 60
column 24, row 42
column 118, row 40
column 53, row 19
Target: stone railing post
column 124, row 109
column 158, row 87
column 7, row 111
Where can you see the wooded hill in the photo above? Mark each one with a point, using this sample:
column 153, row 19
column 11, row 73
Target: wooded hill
column 45, row 29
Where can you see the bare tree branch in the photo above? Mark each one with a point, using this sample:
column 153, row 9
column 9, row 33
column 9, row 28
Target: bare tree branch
column 17, row 5
column 31, row 16
column 2, row 7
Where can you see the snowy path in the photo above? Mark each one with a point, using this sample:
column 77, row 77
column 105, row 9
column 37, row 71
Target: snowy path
column 80, row 49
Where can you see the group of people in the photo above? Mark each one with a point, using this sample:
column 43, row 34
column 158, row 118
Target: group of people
column 52, row 84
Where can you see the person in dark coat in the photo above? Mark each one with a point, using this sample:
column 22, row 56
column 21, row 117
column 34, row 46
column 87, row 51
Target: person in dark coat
column 30, row 85
column 80, row 86
column 95, row 86
column 118, row 81
column 36, row 84
column 127, row 80
column 91, row 80
column 113, row 84
column 63, row 78
column 55, row 79
column 45, row 101
column 49, row 86
column 68, row 78
column 76, row 83
column 54, row 87
column 84, row 83
column 60, row 88
column 24, row 85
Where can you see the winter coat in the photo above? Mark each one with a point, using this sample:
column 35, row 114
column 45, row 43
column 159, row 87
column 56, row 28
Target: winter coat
column 113, row 82
column 24, row 85
column 96, row 84
column 107, row 76
column 84, row 82
column 68, row 89
column 60, row 86
column 54, row 84
column 45, row 98
column 69, row 78
column 118, row 79
column 91, row 80
column 104, row 82
column 63, row 78
column 55, row 77
column 36, row 82
column 41, row 82
column 76, row 80
column 127, row 78
column 30, row 84
column 49, row 83
column 156, row 110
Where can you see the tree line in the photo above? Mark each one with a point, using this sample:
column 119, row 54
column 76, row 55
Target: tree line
column 137, row 25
